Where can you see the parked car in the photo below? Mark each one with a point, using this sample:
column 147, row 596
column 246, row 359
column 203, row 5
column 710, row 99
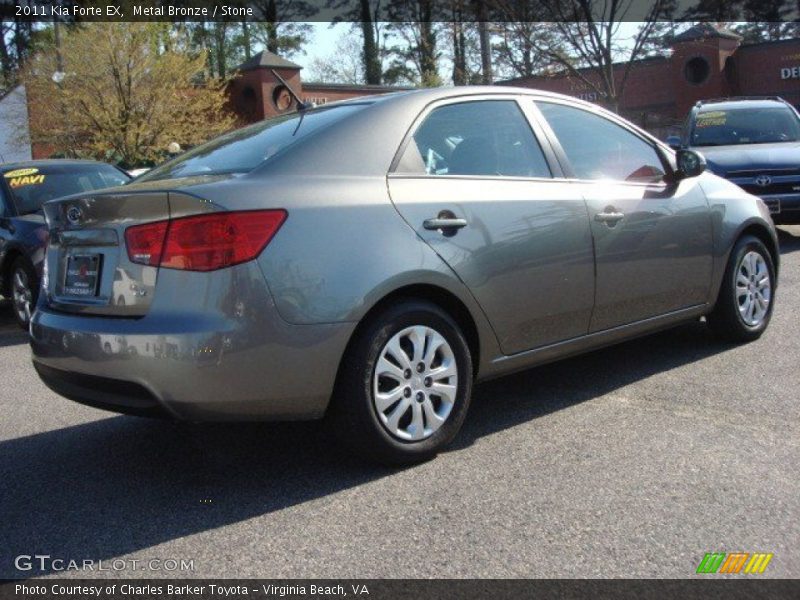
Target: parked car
column 368, row 260
column 753, row 142
column 25, row 187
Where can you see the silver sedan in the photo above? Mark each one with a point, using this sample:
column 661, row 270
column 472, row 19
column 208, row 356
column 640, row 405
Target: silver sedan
column 367, row 261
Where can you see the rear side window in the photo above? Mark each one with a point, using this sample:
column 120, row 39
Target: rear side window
column 600, row 149
column 485, row 138
column 245, row 149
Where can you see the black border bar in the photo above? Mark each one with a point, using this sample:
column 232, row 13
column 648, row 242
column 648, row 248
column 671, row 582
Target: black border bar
column 400, row 589
column 385, row 10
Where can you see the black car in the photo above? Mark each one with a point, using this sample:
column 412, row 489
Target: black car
column 24, row 187
column 753, row 142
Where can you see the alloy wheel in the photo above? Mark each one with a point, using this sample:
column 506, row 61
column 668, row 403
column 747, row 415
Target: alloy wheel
column 22, row 295
column 415, row 383
column 753, row 289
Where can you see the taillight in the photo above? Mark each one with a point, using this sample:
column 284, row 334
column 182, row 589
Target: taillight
column 145, row 242
column 203, row 242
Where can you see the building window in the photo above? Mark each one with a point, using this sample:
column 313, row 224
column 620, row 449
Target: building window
column 696, row 70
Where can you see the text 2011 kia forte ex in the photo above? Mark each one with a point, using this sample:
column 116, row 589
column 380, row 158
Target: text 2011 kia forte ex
column 367, row 261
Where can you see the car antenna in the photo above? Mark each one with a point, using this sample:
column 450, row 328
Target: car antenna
column 301, row 105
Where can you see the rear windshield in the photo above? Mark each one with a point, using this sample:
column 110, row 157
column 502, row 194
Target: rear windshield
column 33, row 186
column 245, row 149
column 745, row 126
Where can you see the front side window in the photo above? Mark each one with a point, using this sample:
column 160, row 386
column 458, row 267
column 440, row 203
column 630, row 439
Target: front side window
column 745, row 126
column 600, row 149
column 483, row 138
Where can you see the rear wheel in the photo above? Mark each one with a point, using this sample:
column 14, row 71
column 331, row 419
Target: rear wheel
column 747, row 295
column 24, row 291
column 404, row 386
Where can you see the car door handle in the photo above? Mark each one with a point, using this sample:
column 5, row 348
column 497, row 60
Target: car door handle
column 444, row 223
column 609, row 217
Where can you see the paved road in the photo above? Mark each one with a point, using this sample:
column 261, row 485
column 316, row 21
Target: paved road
column 632, row 461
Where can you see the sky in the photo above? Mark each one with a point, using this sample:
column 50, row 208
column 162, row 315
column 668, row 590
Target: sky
column 324, row 42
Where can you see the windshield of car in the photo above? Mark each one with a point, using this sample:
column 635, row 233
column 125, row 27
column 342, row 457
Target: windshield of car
column 245, row 149
column 745, row 126
column 33, row 186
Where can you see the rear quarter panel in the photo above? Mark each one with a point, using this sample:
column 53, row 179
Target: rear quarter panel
column 342, row 249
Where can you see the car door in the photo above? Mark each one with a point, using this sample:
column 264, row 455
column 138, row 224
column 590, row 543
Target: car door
column 653, row 240
column 476, row 184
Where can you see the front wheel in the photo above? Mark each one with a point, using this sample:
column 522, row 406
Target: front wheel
column 24, row 291
column 747, row 295
column 404, row 386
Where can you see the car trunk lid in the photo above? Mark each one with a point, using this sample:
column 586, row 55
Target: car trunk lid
column 88, row 270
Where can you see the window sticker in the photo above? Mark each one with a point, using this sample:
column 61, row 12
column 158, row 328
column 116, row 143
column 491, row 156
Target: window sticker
column 712, row 119
column 20, row 173
column 17, row 182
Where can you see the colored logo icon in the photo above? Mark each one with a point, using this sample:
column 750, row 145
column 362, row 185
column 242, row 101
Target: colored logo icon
column 734, row 562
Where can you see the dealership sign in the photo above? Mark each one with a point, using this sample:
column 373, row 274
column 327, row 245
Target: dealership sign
column 790, row 73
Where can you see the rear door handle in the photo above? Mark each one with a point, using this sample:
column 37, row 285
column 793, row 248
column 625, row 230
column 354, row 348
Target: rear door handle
column 609, row 217
column 444, row 223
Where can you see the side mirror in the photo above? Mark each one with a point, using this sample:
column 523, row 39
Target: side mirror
column 674, row 142
column 690, row 163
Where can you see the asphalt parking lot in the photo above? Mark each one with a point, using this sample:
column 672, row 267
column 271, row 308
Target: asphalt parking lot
column 633, row 461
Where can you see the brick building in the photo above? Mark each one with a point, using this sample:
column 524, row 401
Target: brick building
column 706, row 62
column 260, row 91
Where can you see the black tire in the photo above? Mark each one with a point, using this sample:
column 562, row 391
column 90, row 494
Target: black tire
column 352, row 414
column 24, row 268
column 726, row 321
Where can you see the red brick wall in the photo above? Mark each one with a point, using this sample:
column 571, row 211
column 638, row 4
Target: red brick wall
column 758, row 70
column 657, row 95
column 322, row 94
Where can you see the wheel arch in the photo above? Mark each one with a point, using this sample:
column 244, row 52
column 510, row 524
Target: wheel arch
column 762, row 233
column 441, row 297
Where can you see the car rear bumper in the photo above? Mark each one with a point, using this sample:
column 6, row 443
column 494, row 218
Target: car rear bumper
column 223, row 353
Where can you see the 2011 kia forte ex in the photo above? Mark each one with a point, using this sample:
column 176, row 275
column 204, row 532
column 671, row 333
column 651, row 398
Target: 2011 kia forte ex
column 367, row 261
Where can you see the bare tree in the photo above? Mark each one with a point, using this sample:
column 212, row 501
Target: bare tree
column 521, row 32
column 366, row 15
column 587, row 38
column 344, row 65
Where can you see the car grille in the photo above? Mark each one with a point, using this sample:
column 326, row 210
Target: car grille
column 769, row 172
column 781, row 187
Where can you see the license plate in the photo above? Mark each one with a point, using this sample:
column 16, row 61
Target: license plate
column 774, row 205
column 82, row 275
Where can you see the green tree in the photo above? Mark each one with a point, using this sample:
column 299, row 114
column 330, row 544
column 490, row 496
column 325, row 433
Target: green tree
column 416, row 23
column 122, row 97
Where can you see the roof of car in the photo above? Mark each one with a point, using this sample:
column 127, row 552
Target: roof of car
column 26, row 164
column 440, row 93
column 733, row 104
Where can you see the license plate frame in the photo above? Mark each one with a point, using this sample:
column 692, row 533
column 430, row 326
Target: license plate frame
column 82, row 275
